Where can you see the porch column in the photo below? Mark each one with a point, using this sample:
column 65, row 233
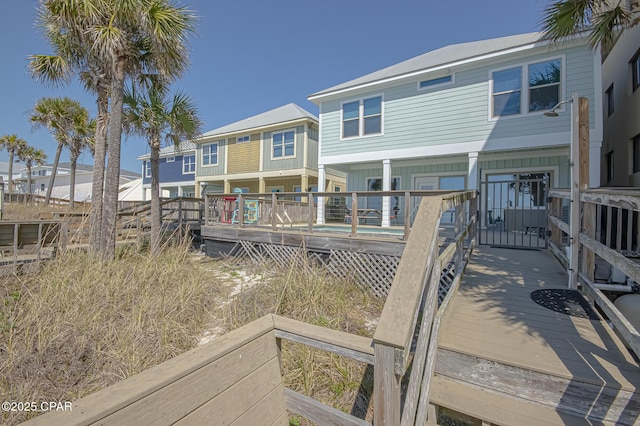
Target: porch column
column 180, row 191
column 386, row 186
column 227, row 186
column 472, row 177
column 262, row 188
column 321, row 188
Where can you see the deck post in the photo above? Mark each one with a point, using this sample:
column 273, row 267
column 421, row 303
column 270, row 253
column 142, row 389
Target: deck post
column 589, row 224
column 407, row 215
column 459, row 225
column 274, row 212
column 386, row 394
column 16, row 230
column 240, row 210
column 354, row 214
column 310, row 212
column 206, row 209
column 574, row 216
column 39, row 246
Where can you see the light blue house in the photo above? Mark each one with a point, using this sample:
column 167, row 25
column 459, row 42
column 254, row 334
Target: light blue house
column 177, row 171
column 461, row 115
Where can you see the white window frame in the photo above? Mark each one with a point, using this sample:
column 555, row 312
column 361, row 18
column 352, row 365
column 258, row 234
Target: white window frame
column 525, row 88
column 147, row 169
column 217, row 144
column 171, row 159
column 436, row 85
column 191, row 164
column 284, row 157
column 247, row 137
column 361, row 117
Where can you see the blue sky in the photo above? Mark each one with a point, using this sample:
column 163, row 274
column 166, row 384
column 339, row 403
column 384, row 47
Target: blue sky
column 250, row 56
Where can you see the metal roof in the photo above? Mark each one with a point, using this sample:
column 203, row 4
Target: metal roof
column 283, row 114
column 441, row 57
column 171, row 149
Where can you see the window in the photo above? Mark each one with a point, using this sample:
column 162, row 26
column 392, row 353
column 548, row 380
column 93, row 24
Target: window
column 171, row 159
column 635, row 71
column 244, row 138
column 636, row 154
column 362, row 117
column 147, row 169
column 609, row 100
column 507, row 86
column 283, row 144
column 609, row 162
column 210, row 154
column 435, row 81
column 188, row 164
column 524, row 89
column 544, row 85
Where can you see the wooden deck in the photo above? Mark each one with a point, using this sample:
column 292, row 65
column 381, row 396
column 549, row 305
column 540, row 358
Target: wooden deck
column 495, row 342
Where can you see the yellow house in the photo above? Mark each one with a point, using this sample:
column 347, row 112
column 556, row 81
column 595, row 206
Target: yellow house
column 276, row 151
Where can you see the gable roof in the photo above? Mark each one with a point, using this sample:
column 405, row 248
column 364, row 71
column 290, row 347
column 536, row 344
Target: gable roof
column 171, row 149
column 440, row 58
column 283, row 114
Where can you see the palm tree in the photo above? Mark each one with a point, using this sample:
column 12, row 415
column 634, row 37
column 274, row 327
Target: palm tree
column 12, row 144
column 30, row 156
column 156, row 117
column 120, row 39
column 59, row 115
column 601, row 18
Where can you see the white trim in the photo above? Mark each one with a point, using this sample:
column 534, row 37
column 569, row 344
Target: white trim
column 483, row 146
column 217, row 144
column 295, row 142
column 437, row 85
column 361, row 117
column 194, row 164
column 506, row 52
column 524, row 88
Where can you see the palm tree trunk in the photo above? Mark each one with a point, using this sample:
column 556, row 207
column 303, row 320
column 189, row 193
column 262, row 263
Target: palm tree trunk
column 29, row 179
column 10, row 185
column 155, row 196
column 54, row 170
column 72, row 180
column 97, row 189
column 112, row 177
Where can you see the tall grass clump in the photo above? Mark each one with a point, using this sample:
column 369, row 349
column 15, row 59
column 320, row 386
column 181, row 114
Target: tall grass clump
column 310, row 294
column 79, row 324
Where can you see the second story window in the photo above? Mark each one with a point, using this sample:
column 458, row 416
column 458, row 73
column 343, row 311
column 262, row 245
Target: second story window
column 244, row 138
column 362, row 117
column 147, row 169
column 544, row 85
column 189, row 164
column 635, row 71
column 507, row 88
column 609, row 100
column 210, row 154
column 283, row 144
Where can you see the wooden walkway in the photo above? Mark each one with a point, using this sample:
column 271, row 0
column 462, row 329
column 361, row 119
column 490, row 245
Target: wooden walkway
column 508, row 360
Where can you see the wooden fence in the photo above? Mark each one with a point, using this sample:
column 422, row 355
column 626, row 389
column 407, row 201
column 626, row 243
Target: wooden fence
column 181, row 388
column 30, row 241
column 607, row 229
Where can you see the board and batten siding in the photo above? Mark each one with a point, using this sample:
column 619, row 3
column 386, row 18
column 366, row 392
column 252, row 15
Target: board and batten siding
column 295, row 162
column 203, row 171
column 458, row 112
column 244, row 157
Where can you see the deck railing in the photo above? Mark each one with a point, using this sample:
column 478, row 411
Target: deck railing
column 358, row 210
column 608, row 227
column 30, row 241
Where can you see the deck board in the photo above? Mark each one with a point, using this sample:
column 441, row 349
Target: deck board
column 494, row 318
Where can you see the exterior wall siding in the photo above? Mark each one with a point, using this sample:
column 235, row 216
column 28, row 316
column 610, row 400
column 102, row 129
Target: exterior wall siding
column 244, row 157
column 285, row 163
column 169, row 171
column 459, row 112
column 561, row 163
column 203, row 171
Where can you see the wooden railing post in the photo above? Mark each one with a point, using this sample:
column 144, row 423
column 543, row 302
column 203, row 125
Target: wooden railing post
column 386, row 394
column 556, row 211
column 240, row 210
column 274, row 211
column 354, row 214
column 459, row 225
column 310, row 212
column 180, row 212
column 589, row 227
column 206, row 209
column 407, row 215
column 473, row 216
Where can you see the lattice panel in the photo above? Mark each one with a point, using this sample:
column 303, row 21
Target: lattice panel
column 372, row 271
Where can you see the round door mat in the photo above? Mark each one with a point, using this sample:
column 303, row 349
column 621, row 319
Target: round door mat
column 568, row 302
